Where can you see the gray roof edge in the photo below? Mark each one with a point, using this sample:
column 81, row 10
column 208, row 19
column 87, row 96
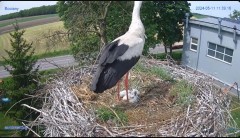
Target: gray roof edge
column 213, row 25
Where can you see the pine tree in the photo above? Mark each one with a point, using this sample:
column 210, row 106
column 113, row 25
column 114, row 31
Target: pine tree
column 21, row 65
column 21, row 60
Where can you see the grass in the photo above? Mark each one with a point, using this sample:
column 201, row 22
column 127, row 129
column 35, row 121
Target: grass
column 159, row 72
column 105, row 114
column 2, row 63
column 54, row 54
column 50, row 71
column 176, row 55
column 40, row 43
column 140, row 67
column 47, row 73
column 235, row 110
column 25, row 19
column 44, row 75
column 7, row 121
column 183, row 91
column 47, row 55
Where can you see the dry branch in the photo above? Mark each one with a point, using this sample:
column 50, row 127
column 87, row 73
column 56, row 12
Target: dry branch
column 210, row 116
column 63, row 114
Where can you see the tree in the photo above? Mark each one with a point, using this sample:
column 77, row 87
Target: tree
column 235, row 15
column 84, row 18
column 164, row 20
column 51, row 9
column 24, row 76
column 21, row 60
column 91, row 22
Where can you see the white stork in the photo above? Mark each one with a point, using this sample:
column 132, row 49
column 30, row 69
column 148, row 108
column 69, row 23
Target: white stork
column 120, row 55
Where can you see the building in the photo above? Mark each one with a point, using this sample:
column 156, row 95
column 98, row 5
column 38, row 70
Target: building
column 212, row 46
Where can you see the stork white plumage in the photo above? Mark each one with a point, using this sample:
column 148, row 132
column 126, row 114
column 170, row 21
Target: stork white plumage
column 120, row 55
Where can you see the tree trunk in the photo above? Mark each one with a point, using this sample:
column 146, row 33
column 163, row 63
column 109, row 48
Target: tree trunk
column 165, row 48
column 171, row 50
column 102, row 27
column 103, row 35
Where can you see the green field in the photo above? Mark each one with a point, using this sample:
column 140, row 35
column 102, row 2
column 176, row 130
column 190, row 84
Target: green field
column 25, row 19
column 37, row 35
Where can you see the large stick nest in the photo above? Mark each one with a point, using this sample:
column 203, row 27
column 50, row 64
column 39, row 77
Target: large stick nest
column 69, row 107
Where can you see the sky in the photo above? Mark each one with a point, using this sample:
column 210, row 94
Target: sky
column 7, row 7
column 213, row 8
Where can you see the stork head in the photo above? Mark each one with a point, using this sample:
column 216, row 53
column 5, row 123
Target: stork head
column 137, row 6
column 138, row 3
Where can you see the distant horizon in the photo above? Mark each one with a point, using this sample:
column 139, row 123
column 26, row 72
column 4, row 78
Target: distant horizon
column 212, row 8
column 7, row 7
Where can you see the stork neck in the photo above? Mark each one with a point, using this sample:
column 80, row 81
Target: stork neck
column 136, row 15
column 136, row 10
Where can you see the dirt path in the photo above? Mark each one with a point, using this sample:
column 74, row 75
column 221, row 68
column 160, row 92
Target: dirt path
column 10, row 28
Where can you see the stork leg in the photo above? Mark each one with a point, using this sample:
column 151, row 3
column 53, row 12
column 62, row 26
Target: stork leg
column 126, row 84
column 118, row 90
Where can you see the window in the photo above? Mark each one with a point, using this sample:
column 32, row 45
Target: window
column 220, row 52
column 194, row 44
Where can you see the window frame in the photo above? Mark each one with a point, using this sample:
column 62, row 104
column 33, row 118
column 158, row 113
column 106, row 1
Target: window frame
column 191, row 43
column 217, row 46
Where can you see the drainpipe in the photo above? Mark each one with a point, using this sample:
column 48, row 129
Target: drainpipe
column 219, row 28
column 234, row 34
column 187, row 28
column 187, row 15
column 199, row 46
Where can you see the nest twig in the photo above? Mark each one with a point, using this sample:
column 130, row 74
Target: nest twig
column 63, row 114
column 209, row 116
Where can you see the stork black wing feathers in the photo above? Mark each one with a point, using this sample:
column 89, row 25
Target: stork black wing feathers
column 110, row 53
